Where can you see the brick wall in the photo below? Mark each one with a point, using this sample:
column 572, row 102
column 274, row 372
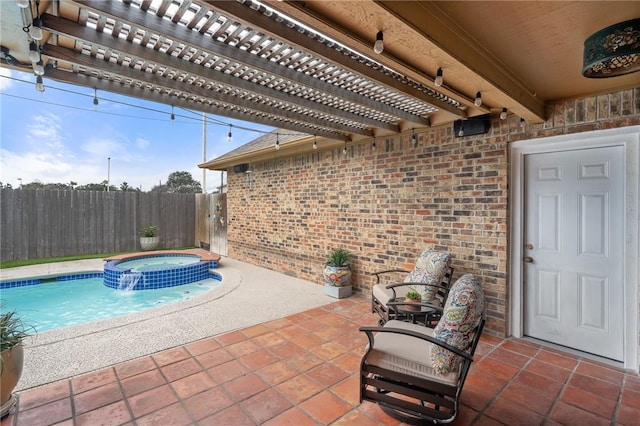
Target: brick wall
column 386, row 204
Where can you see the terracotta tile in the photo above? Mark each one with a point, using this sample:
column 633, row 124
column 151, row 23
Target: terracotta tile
column 353, row 341
column 208, row 402
column 355, row 418
column 255, row 330
column 304, row 361
column 292, row 417
column 512, row 413
column 325, row 407
column 142, row 382
column 519, row 347
column 312, row 325
column 135, row 367
column 588, row 401
column 47, row 414
column 539, row 384
column 202, row 346
column 230, row 338
column 92, row 380
column 151, row 400
column 628, row 415
column 193, row 384
column 327, row 374
column 112, row 414
column 298, row 388
column 174, row 415
column 491, row 340
column 632, row 382
column 497, row 368
column 277, row 373
column 245, row 387
column 181, row 369
column 308, row 340
column 631, row 398
column 330, row 333
column 172, row 355
column 569, row 415
column 595, row 386
column 348, row 362
column 228, row 371
column 96, row 398
column 213, row 358
column 265, row 405
column 278, row 324
column 258, row 359
column 230, row 416
column 373, row 411
column 480, row 388
column 298, row 318
column 242, row 348
column 268, row 340
column 608, row 374
column 44, row 395
column 286, row 350
column 560, row 360
column 508, row 357
column 484, row 420
column 349, row 390
column 328, row 350
column 291, row 331
column 465, row 416
column 550, row 371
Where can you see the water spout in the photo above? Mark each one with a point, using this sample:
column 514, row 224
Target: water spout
column 129, row 279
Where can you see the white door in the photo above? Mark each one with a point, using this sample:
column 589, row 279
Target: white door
column 574, row 249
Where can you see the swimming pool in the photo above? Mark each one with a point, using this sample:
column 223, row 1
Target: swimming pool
column 76, row 299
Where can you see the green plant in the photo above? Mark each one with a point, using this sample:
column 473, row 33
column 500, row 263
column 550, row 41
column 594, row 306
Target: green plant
column 339, row 257
column 149, row 231
column 413, row 295
column 12, row 330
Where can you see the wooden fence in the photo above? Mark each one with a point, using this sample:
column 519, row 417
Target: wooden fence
column 36, row 223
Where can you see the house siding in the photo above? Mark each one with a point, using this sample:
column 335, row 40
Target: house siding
column 387, row 204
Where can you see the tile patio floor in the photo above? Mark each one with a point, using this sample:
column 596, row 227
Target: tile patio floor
column 303, row 370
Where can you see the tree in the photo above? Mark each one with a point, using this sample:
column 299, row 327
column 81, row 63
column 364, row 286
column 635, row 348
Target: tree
column 182, row 182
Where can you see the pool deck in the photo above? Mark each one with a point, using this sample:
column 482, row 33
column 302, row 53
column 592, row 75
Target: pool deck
column 248, row 295
column 205, row 255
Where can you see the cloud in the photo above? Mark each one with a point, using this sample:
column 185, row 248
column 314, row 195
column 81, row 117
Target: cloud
column 44, row 130
column 5, row 83
column 142, row 143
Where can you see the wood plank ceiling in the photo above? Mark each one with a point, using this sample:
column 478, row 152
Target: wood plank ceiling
column 241, row 60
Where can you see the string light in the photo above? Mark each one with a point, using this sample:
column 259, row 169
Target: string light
column 478, row 100
column 315, row 142
column 461, row 131
column 36, row 28
column 95, row 97
column 38, row 68
column 344, row 151
column 503, row 114
column 378, row 46
column 34, row 53
column 229, row 135
column 373, row 145
column 414, row 138
column 439, row 80
column 39, row 84
column 277, row 141
column 173, row 116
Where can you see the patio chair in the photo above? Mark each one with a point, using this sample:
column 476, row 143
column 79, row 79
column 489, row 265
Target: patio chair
column 415, row 373
column 431, row 276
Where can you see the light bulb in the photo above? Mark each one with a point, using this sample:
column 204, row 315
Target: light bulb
column 277, row 145
column 503, row 114
column 95, row 97
column 414, row 138
column 438, row 80
column 315, row 143
column 229, row 135
column 38, row 68
column 461, row 132
column 478, row 101
column 373, row 145
column 173, row 116
column 378, row 46
column 344, row 151
column 39, row 84
column 34, row 54
column 36, row 29
column 23, row 4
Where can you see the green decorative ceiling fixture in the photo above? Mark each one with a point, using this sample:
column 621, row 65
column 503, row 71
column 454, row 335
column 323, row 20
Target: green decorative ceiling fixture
column 613, row 51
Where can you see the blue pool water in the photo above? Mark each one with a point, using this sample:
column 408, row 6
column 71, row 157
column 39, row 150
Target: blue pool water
column 59, row 304
column 157, row 262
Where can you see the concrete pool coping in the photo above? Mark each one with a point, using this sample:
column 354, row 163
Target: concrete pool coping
column 248, row 295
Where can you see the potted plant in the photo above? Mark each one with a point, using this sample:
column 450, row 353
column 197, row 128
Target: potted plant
column 12, row 332
column 149, row 237
column 337, row 273
column 413, row 296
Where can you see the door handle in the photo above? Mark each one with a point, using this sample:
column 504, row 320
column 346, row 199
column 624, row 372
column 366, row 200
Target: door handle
column 528, row 259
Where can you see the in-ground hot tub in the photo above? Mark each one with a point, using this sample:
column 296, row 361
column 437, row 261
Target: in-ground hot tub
column 156, row 270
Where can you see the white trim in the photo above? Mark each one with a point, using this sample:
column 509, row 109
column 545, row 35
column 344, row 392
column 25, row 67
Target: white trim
column 629, row 138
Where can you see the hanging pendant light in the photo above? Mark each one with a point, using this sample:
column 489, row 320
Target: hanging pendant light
column 378, row 46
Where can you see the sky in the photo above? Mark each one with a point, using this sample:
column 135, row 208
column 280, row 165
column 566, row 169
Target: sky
column 60, row 136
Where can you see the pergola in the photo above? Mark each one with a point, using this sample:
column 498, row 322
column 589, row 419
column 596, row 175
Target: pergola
column 310, row 66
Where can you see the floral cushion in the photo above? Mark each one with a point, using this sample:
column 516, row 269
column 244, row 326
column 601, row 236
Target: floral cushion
column 460, row 319
column 430, row 268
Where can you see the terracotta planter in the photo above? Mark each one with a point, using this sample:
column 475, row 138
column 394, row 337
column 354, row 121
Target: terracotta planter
column 149, row 243
column 337, row 276
column 415, row 307
column 12, row 361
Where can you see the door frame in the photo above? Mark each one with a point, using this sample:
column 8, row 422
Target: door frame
column 629, row 138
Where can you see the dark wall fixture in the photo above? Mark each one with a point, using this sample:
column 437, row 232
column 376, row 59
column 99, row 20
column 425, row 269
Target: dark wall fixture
column 472, row 126
column 241, row 168
column 613, row 51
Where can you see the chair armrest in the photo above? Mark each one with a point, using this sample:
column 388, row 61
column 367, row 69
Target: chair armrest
column 388, row 271
column 370, row 330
